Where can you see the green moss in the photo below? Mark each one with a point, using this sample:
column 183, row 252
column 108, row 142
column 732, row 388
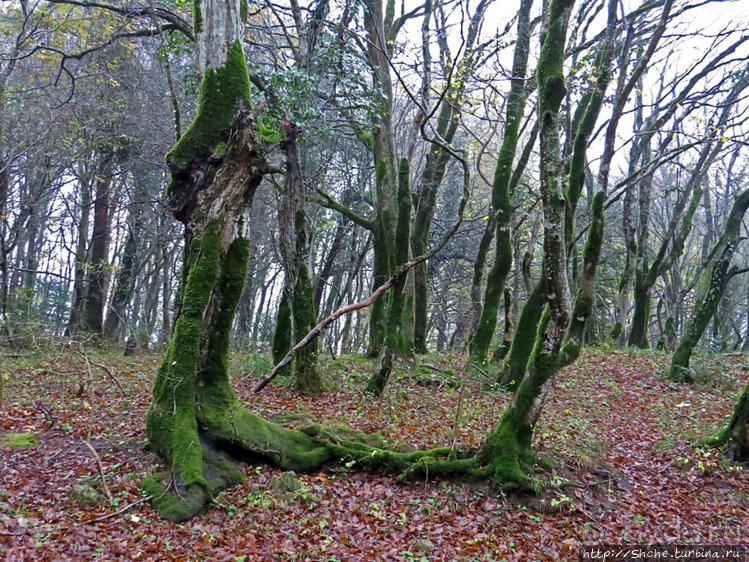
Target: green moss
column 428, row 467
column 616, row 331
column 307, row 375
column 213, row 376
column 679, row 373
column 218, row 473
column 197, row 16
column 171, row 421
column 268, row 130
column 19, row 440
column 219, row 151
column 242, row 430
column 222, row 92
column 341, row 433
column 282, row 334
column 525, row 337
column 243, row 9
column 174, row 509
column 380, row 171
column 505, row 449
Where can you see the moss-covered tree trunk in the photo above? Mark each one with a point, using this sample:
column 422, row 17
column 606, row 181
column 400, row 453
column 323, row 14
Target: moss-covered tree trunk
column 525, row 338
column 436, row 160
column 629, row 229
column 529, row 325
column 393, row 343
column 295, row 249
column 735, row 434
column 378, row 23
column 713, row 283
column 216, row 167
column 507, row 449
column 501, row 204
column 675, row 238
column 434, row 171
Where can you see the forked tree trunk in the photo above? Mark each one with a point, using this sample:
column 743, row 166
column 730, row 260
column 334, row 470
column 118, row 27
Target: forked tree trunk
column 195, row 421
column 216, row 167
column 530, row 323
column 507, row 449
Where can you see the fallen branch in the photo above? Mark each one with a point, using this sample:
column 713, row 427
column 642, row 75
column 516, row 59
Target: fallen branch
column 118, row 512
column 317, row 330
column 101, row 469
column 394, row 280
column 102, row 367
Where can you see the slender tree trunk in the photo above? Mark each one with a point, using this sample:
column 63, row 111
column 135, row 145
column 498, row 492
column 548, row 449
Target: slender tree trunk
column 98, row 275
column 296, row 251
column 508, row 446
column 501, row 205
column 674, row 241
column 713, row 279
column 393, row 343
column 124, row 283
column 81, row 259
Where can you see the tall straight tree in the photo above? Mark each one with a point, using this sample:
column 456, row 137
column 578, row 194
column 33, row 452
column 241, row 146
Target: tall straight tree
column 501, row 206
column 436, row 158
column 646, row 274
column 713, row 284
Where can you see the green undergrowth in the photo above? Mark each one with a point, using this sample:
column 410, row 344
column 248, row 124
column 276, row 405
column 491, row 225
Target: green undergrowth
column 19, row 440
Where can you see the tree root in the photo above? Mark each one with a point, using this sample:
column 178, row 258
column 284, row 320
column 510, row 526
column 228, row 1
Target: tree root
column 241, row 436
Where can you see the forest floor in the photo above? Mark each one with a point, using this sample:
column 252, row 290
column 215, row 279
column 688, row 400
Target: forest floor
column 613, row 424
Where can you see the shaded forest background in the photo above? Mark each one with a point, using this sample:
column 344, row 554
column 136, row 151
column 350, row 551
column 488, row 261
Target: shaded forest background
column 89, row 101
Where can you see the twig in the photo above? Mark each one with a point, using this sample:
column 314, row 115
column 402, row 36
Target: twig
column 118, row 512
column 102, row 367
column 458, row 410
column 596, row 521
column 101, row 469
column 480, row 370
column 667, row 465
column 317, row 330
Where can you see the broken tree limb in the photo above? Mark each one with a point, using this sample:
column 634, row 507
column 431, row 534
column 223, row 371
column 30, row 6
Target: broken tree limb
column 317, row 330
column 397, row 276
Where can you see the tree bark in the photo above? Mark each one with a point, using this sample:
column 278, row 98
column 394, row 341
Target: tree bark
column 508, row 446
column 124, row 283
column 394, row 339
column 713, row 280
column 98, row 275
column 501, row 204
column 295, row 235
